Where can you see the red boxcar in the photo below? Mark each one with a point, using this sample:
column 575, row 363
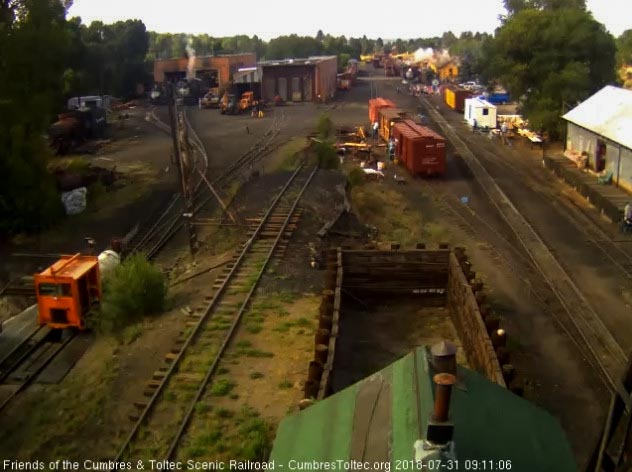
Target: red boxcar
column 420, row 149
column 375, row 104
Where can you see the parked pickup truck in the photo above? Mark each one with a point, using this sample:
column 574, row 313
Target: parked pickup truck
column 210, row 100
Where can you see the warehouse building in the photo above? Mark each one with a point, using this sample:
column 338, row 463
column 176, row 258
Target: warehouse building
column 599, row 132
column 297, row 80
column 214, row 71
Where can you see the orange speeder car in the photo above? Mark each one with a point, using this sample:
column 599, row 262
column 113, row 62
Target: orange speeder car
column 67, row 290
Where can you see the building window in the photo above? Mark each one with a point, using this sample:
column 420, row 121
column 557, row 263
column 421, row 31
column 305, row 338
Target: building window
column 485, row 111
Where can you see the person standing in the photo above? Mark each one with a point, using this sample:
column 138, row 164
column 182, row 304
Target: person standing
column 375, row 127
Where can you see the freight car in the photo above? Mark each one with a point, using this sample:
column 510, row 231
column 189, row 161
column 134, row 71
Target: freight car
column 375, row 104
column 455, row 97
column 420, row 149
column 387, row 117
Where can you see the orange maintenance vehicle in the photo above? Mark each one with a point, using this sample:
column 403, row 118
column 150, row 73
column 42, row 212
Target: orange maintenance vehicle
column 67, row 290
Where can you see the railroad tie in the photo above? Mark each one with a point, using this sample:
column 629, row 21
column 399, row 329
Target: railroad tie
column 170, row 356
column 159, row 374
column 189, row 377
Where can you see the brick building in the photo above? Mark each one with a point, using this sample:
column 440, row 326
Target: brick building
column 213, row 70
column 311, row 79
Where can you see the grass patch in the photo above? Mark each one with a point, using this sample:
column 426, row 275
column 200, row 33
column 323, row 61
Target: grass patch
column 202, row 407
column 233, row 396
column 224, row 413
column 170, row 396
column 244, row 343
column 222, row 370
column 195, row 451
column 288, row 155
column 283, row 327
column 222, row 387
column 256, row 375
column 253, row 329
column 303, row 323
column 389, row 211
column 285, row 385
column 130, row 333
column 257, row 353
column 356, row 177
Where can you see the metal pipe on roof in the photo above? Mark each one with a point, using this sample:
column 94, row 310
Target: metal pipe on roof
column 443, row 393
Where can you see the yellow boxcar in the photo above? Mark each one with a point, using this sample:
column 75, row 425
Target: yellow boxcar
column 387, row 118
column 450, row 98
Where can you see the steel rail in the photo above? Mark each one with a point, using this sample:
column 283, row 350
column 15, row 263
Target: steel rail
column 606, row 352
column 6, row 370
column 198, row 327
column 211, row 371
column 32, row 375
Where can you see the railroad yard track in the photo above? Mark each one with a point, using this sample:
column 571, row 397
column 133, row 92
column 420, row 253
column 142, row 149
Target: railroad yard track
column 603, row 242
column 182, row 383
column 150, row 236
column 570, row 308
column 27, row 360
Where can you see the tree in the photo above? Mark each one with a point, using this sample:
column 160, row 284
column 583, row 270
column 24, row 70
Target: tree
column 379, row 44
column 448, row 39
column 516, row 6
column 624, row 48
column 320, row 36
column 548, row 57
column 30, row 92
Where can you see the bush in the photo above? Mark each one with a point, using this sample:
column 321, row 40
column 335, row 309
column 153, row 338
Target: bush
column 356, row 177
column 327, row 157
column 325, row 126
column 134, row 289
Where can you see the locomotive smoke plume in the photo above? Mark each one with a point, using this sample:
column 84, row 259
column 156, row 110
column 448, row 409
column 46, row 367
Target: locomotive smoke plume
column 440, row 56
column 423, row 54
column 191, row 54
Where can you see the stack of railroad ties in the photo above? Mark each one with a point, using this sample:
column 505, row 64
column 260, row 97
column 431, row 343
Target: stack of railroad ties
column 419, row 148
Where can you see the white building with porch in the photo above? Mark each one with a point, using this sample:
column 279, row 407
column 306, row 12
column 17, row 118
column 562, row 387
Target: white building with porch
column 599, row 133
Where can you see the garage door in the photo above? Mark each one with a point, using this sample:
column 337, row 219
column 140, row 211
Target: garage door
column 283, row 88
column 307, row 88
column 296, row 89
column 268, row 88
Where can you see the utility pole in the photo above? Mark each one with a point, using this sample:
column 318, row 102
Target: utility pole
column 180, row 147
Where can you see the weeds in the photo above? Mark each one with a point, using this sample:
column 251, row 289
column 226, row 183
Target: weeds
column 256, row 375
column 224, row 413
column 286, row 384
column 222, row 387
column 356, row 177
column 202, row 407
column 253, row 329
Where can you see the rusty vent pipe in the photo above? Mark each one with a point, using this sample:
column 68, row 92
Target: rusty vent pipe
column 443, row 392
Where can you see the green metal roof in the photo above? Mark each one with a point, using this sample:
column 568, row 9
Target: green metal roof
column 380, row 418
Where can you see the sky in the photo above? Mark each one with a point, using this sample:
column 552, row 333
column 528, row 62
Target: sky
column 352, row 18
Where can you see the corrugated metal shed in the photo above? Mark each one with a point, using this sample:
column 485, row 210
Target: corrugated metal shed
column 248, row 75
column 607, row 113
column 379, row 419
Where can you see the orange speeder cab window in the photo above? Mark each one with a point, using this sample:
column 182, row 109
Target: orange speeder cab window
column 47, row 289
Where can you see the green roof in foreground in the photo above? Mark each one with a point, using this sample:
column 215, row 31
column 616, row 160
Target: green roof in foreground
column 379, row 419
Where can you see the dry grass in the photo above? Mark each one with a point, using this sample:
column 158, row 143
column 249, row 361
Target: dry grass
column 59, row 415
column 285, row 157
column 267, row 368
column 380, row 206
